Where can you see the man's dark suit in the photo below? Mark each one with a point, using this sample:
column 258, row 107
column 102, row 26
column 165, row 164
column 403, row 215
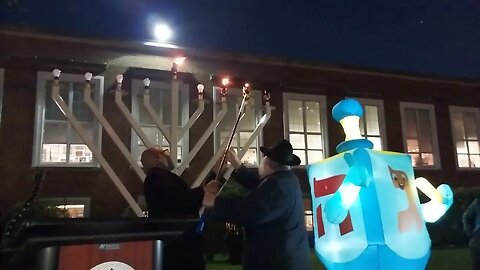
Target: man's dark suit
column 167, row 196
column 273, row 218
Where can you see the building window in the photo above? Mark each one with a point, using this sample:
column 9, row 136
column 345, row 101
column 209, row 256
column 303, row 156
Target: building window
column 466, row 133
column 1, row 92
column 305, row 126
column 73, row 206
column 160, row 99
column 309, row 220
column 372, row 124
column 420, row 134
column 253, row 110
column 56, row 141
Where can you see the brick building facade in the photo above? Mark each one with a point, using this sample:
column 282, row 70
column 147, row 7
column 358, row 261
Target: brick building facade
column 436, row 119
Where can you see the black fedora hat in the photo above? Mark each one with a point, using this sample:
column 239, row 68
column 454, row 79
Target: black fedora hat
column 282, row 153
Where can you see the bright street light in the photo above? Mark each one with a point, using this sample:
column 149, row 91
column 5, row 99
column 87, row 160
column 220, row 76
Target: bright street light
column 162, row 32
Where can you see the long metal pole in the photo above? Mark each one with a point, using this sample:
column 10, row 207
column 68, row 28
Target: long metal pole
column 208, row 168
column 254, row 135
column 246, row 95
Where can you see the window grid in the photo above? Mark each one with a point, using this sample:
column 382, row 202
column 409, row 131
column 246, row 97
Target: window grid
column 305, row 134
column 76, row 207
column 375, row 138
column 56, row 142
column 308, row 144
column 423, row 145
column 419, row 151
column 377, row 135
column 467, row 149
column 69, row 157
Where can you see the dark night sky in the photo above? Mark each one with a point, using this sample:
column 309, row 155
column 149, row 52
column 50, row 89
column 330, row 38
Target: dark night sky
column 439, row 37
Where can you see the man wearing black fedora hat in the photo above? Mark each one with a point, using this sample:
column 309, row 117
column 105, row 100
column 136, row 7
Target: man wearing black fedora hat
column 272, row 214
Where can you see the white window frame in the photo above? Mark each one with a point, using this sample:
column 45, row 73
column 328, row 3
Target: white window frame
column 461, row 109
column 137, row 100
column 381, row 117
column 254, row 94
column 321, row 99
column 431, row 114
column 2, row 72
column 86, row 201
column 42, row 78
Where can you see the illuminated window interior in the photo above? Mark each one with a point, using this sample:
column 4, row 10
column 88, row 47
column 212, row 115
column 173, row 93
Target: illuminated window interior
column 305, row 131
column 419, row 135
column 74, row 210
column 465, row 125
column 370, row 125
column 309, row 220
column 60, row 142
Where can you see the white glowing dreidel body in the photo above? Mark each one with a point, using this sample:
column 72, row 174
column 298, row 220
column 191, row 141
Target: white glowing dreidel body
column 367, row 214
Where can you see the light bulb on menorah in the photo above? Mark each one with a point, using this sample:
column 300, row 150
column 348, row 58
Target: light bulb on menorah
column 56, row 73
column 268, row 108
column 266, row 97
column 118, row 85
column 119, row 79
column 246, row 92
column 200, row 88
column 88, row 77
column 146, row 85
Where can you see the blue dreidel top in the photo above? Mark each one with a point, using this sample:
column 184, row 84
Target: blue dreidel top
column 348, row 112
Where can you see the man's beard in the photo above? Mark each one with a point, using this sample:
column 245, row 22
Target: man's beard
column 261, row 170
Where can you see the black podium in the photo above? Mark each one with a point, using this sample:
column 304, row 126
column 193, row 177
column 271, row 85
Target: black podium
column 134, row 243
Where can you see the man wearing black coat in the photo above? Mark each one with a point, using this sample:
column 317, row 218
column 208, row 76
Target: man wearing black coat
column 168, row 196
column 272, row 214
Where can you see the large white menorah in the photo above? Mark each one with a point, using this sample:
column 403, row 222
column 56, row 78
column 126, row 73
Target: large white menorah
column 173, row 134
